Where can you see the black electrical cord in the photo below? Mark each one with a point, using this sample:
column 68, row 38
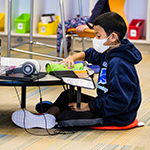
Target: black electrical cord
column 41, row 103
column 56, row 132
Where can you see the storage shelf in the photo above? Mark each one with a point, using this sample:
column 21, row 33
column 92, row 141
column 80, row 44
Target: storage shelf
column 45, row 36
column 3, row 33
column 44, row 7
column 20, row 34
column 13, row 33
column 140, row 41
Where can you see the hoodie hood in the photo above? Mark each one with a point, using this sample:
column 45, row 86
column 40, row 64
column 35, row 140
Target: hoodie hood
column 126, row 51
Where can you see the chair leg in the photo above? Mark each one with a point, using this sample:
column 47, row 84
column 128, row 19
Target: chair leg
column 72, row 44
column 83, row 44
column 61, row 48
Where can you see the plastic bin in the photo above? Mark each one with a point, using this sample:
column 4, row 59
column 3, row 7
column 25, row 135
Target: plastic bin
column 48, row 18
column 136, row 29
column 22, row 23
column 2, row 21
column 48, row 29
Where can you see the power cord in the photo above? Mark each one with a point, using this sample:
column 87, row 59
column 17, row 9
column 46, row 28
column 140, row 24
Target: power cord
column 55, row 132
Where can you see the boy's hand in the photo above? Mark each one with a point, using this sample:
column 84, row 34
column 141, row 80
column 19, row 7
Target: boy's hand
column 83, row 107
column 69, row 60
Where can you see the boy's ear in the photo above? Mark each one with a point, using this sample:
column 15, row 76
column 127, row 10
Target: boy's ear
column 114, row 37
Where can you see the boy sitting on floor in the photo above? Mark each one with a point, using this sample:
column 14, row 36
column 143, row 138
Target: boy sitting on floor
column 118, row 91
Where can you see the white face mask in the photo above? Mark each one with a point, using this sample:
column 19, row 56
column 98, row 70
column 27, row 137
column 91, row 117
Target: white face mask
column 98, row 44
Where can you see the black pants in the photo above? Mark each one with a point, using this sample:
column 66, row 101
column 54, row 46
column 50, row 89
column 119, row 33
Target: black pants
column 63, row 100
column 68, row 117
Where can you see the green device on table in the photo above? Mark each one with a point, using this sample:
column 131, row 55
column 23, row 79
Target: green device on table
column 50, row 68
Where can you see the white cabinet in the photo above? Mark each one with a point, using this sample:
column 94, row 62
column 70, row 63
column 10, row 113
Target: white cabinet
column 23, row 6
column 40, row 7
column 134, row 9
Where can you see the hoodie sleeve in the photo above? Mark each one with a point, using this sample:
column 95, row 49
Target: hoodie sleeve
column 92, row 56
column 120, row 94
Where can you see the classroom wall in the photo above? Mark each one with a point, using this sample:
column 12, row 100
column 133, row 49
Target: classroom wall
column 72, row 8
column 2, row 7
column 136, row 9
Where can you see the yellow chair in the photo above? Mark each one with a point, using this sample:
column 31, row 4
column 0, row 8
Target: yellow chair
column 73, row 34
column 87, row 32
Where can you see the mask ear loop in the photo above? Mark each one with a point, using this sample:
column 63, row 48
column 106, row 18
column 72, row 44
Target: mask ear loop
column 117, row 40
column 109, row 36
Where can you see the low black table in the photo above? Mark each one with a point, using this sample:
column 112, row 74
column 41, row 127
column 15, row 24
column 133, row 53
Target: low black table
column 48, row 80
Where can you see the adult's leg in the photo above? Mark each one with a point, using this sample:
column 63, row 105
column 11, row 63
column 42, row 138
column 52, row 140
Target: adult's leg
column 71, row 23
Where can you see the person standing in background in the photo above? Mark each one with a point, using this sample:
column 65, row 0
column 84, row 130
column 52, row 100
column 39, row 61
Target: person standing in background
column 81, row 23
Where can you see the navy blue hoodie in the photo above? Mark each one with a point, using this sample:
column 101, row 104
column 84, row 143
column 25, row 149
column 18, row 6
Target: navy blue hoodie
column 118, row 89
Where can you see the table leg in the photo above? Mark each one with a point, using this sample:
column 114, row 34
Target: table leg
column 71, row 93
column 78, row 97
column 23, row 97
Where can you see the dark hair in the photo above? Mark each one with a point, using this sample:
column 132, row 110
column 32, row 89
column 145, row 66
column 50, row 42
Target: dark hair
column 112, row 22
